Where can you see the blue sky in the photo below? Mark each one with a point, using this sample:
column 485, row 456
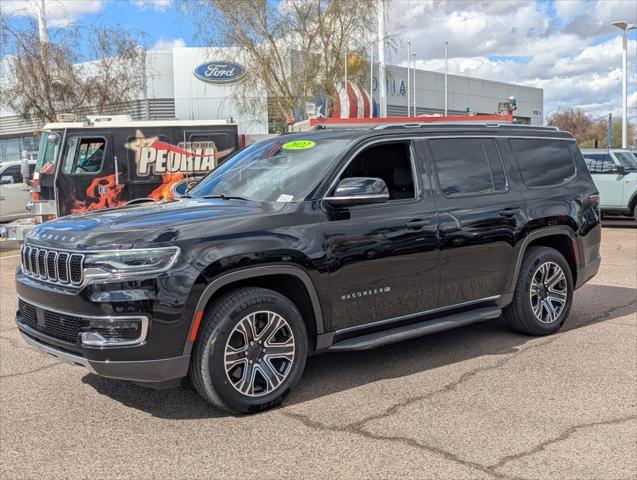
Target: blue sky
column 567, row 47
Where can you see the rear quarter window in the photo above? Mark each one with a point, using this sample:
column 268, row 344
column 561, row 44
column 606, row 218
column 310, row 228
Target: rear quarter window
column 543, row 163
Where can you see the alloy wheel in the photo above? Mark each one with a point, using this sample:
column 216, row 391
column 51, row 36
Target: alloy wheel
column 549, row 292
column 259, row 353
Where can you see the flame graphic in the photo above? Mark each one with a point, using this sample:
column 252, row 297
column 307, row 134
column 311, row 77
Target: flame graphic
column 107, row 199
column 164, row 191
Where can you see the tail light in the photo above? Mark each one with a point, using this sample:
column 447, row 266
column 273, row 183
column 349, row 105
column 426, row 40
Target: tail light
column 594, row 199
column 35, row 189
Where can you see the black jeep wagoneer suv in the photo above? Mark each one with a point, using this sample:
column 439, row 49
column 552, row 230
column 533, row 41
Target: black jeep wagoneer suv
column 323, row 241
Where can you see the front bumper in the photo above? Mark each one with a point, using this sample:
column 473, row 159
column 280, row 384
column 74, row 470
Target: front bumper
column 145, row 371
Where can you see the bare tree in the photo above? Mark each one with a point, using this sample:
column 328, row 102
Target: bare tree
column 575, row 121
column 296, row 48
column 586, row 131
column 44, row 78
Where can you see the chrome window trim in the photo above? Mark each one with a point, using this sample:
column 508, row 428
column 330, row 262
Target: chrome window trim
column 423, row 137
column 143, row 319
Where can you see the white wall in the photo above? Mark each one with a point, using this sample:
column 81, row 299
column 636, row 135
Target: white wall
column 198, row 100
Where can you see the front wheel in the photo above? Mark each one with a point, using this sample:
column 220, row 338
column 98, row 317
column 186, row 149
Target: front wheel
column 543, row 293
column 250, row 352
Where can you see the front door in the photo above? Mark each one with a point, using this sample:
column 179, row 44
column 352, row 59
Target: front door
column 480, row 217
column 383, row 258
column 87, row 178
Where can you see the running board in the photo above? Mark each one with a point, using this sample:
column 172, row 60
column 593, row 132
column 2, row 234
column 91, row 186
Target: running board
column 413, row 330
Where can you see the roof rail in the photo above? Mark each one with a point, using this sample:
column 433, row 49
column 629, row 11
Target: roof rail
column 386, row 126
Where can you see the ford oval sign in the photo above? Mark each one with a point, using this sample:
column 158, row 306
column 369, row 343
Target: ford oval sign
column 219, row 72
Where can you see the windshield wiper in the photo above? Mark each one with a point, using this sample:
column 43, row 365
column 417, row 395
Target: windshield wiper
column 223, row 196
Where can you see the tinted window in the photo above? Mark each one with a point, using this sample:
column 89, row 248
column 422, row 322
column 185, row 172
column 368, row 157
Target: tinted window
column 543, row 162
column 463, row 166
column 389, row 162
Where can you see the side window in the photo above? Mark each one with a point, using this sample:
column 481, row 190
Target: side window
column 13, row 171
column 391, row 162
column 543, row 163
column 85, row 155
column 468, row 166
column 599, row 162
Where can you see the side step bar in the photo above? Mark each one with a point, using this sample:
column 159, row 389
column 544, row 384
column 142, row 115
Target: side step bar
column 413, row 330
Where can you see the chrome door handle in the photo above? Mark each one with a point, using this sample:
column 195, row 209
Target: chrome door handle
column 418, row 223
column 510, row 212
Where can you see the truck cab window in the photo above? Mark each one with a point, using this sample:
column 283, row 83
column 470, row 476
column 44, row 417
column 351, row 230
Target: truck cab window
column 84, row 156
column 390, row 162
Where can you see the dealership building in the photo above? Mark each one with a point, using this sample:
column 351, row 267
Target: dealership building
column 176, row 87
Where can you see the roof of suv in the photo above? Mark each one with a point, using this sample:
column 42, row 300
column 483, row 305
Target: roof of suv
column 429, row 129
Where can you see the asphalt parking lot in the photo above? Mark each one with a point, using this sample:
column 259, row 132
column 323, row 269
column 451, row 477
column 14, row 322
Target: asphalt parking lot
column 477, row 402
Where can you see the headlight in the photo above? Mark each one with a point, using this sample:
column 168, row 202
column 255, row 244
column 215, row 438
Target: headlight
column 130, row 263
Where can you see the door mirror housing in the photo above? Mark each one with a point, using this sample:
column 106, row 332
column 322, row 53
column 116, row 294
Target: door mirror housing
column 620, row 169
column 6, row 179
column 358, row 191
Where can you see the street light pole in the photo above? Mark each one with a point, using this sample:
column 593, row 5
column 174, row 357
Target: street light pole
column 371, row 78
column 624, row 27
column 414, row 95
column 446, row 85
column 408, row 74
column 382, row 87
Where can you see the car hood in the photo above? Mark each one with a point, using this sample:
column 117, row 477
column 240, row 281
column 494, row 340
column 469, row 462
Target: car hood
column 146, row 224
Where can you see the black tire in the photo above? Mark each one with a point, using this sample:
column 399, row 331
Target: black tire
column 519, row 315
column 208, row 368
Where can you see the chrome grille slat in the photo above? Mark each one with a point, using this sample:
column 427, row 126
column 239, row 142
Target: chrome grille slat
column 53, row 266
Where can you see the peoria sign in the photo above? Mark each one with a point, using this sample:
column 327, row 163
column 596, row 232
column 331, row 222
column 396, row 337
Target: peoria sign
column 153, row 156
column 219, row 72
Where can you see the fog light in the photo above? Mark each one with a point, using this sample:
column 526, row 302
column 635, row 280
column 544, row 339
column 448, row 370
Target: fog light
column 115, row 332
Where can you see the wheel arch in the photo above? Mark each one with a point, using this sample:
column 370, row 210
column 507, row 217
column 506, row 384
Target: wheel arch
column 289, row 280
column 560, row 238
column 632, row 202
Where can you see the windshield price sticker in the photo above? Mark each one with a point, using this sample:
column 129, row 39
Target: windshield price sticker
column 285, row 198
column 299, row 145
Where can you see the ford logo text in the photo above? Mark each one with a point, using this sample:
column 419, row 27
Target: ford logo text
column 219, row 72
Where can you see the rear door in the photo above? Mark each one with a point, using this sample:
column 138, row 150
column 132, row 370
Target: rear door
column 610, row 184
column 86, row 178
column 480, row 217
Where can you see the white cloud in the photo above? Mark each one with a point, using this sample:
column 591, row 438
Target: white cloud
column 169, row 44
column 568, row 47
column 567, row 9
column 159, row 5
column 59, row 13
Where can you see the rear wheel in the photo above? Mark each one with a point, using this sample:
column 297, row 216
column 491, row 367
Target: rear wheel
column 543, row 294
column 251, row 350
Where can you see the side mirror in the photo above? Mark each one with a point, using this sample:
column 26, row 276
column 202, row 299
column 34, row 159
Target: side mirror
column 620, row 169
column 6, row 179
column 358, row 191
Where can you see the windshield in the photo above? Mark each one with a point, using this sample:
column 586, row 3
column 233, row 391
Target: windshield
column 48, row 152
column 272, row 171
column 627, row 159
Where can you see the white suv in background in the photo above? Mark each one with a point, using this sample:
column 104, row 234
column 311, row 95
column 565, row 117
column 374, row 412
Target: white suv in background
column 615, row 175
column 14, row 193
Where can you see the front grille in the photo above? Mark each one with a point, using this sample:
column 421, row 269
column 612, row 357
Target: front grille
column 53, row 324
column 52, row 265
